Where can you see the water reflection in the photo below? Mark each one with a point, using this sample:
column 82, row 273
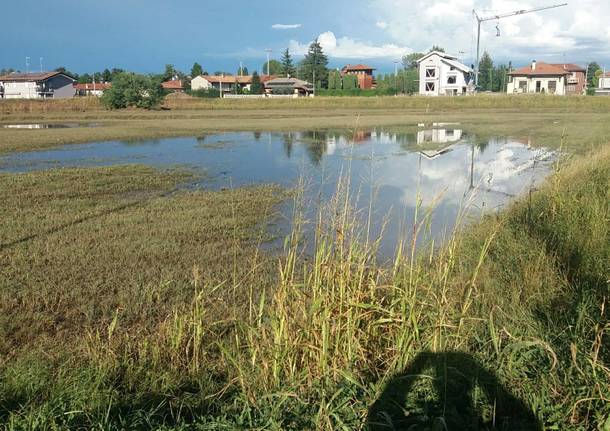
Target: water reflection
column 50, row 126
column 447, row 167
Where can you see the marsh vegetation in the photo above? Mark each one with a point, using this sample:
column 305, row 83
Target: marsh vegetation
column 131, row 301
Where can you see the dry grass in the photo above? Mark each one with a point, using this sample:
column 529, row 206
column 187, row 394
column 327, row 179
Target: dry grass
column 79, row 245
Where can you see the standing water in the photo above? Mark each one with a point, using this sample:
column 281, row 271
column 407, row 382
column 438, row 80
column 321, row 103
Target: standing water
column 390, row 173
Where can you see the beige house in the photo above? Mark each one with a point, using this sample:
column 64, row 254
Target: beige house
column 225, row 83
column 539, row 77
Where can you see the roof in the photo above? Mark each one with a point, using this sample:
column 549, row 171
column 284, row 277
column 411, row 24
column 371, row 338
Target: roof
column 570, row 67
column 357, row 67
column 542, row 69
column 288, row 82
column 443, row 55
column 27, row 77
column 447, row 58
column 233, row 79
column 93, row 86
column 173, row 85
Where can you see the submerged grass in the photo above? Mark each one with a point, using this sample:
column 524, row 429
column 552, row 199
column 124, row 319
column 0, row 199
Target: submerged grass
column 163, row 316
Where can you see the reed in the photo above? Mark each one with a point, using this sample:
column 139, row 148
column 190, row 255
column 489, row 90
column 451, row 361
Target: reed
column 519, row 299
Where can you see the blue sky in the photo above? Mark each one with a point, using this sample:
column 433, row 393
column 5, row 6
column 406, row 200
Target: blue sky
column 144, row 35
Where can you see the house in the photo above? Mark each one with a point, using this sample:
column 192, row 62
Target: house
column 289, row 87
column 441, row 74
column 539, row 77
column 174, row 86
column 225, row 83
column 603, row 86
column 42, row 85
column 95, row 89
column 363, row 73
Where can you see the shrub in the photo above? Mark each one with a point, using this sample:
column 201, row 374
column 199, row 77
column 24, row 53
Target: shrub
column 133, row 90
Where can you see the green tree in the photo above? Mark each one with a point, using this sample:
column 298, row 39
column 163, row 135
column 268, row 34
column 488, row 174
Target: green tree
column 106, row 75
column 314, row 66
column 62, row 69
column 437, row 48
column 409, row 61
column 169, row 73
column 592, row 80
column 133, row 90
column 334, row 80
column 256, row 87
column 275, row 68
column 350, row 82
column 288, row 68
column 486, row 72
column 242, row 71
column 85, row 78
column 196, row 70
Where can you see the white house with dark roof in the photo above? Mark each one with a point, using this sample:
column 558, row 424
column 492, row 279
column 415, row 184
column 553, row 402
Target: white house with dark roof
column 43, row 85
column 441, row 74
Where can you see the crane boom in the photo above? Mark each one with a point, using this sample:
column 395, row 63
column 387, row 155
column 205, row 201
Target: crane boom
column 517, row 12
column 499, row 17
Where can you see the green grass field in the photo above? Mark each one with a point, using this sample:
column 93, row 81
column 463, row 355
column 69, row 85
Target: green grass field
column 127, row 302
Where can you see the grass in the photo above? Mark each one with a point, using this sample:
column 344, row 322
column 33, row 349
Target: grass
column 544, row 120
column 163, row 314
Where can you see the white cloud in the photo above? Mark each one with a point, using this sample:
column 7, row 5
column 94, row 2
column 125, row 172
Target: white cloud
column 381, row 24
column 579, row 32
column 345, row 47
column 285, row 26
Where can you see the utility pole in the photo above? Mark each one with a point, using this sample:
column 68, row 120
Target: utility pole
column 40, row 64
column 481, row 20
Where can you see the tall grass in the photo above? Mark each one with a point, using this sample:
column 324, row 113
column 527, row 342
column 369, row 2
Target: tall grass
column 523, row 293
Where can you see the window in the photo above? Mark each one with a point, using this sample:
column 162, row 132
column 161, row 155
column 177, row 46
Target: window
column 522, row 85
column 452, row 80
column 431, row 73
column 429, row 86
column 552, row 87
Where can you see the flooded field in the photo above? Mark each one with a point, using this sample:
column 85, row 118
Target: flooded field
column 439, row 165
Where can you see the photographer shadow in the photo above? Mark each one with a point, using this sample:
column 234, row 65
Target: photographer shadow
column 448, row 391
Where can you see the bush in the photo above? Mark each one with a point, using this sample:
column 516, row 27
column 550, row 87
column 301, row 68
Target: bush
column 133, row 90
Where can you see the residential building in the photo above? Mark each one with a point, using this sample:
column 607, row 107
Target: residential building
column 225, row 83
column 603, row 86
column 540, row 77
column 289, row 87
column 42, row 85
column 174, row 86
column 364, row 74
column 441, row 74
column 95, row 89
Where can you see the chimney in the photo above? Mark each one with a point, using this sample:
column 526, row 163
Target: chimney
column 534, row 65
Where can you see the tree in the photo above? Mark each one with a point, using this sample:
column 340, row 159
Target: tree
column 334, row 80
column 62, row 69
column 256, row 87
column 242, row 71
column 275, row 68
column 85, row 79
column 409, row 61
column 170, row 72
column 132, row 90
column 288, row 68
column 592, row 81
column 350, row 82
column 313, row 66
column 106, row 75
column 196, row 70
column 437, row 48
column 486, row 72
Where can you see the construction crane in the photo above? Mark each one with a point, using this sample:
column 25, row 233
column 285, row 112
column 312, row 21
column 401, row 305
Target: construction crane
column 481, row 20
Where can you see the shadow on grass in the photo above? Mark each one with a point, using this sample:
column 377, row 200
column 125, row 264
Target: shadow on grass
column 448, row 391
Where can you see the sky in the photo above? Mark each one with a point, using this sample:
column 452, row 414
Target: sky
column 144, row 35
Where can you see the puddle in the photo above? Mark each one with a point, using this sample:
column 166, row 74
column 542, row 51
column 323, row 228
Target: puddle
column 50, row 126
column 390, row 172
